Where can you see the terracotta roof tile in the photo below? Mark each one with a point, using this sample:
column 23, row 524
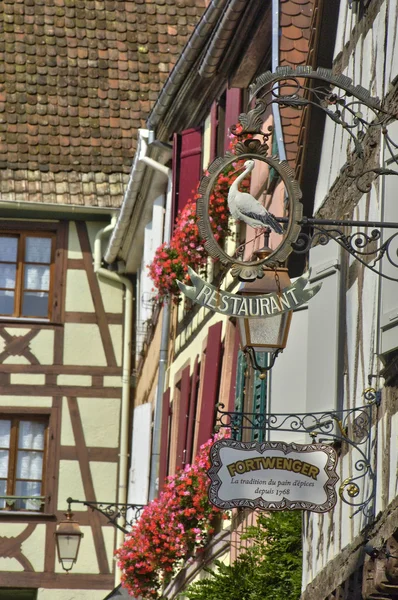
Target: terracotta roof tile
column 81, row 76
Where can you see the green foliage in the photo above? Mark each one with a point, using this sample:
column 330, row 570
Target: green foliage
column 269, row 569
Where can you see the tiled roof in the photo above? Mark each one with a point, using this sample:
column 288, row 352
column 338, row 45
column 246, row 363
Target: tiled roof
column 65, row 187
column 78, row 78
column 295, row 22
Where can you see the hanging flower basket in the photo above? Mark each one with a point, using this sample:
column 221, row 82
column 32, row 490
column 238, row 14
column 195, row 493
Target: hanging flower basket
column 171, row 529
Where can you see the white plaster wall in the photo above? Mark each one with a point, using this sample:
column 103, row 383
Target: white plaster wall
column 74, row 250
column 34, row 548
column 43, row 594
column 70, row 483
column 42, row 346
column 37, row 401
column 83, row 345
column 100, row 419
column 81, row 380
column 78, row 295
column 27, row 379
column 104, row 476
column 67, row 437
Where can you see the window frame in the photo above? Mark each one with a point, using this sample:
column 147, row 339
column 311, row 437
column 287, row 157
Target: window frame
column 11, row 480
column 59, row 231
column 21, row 264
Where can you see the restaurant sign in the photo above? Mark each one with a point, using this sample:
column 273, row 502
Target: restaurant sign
column 266, row 305
column 272, row 476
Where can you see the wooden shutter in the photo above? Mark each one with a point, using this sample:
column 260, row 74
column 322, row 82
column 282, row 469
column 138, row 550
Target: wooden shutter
column 164, row 439
column 211, row 379
column 259, row 395
column 187, row 167
column 140, row 455
column 389, row 289
column 325, row 355
column 192, row 411
column 183, row 417
column 233, row 108
column 239, row 405
column 234, row 371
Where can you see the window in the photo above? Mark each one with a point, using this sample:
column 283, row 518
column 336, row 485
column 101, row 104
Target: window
column 26, row 271
column 22, row 459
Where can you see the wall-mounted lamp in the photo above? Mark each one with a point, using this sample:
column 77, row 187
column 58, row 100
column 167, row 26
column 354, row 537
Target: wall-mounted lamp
column 381, row 553
column 267, row 334
column 68, row 537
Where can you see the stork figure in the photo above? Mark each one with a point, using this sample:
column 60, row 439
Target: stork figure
column 244, row 207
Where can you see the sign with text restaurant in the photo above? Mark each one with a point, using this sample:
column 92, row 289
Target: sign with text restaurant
column 272, row 476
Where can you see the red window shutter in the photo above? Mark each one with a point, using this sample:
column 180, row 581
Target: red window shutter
column 192, row 411
column 164, row 439
column 232, row 389
column 187, row 167
column 233, row 108
column 183, row 416
column 211, row 379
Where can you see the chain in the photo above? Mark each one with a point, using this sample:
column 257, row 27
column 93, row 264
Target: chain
column 278, row 283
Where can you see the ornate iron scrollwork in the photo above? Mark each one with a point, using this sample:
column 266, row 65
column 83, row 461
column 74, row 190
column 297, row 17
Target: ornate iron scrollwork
column 352, row 426
column 113, row 511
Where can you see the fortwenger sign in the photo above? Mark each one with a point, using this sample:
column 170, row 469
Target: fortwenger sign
column 273, row 476
column 266, row 305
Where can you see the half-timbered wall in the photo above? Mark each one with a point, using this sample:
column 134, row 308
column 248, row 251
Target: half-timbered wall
column 365, row 50
column 67, row 370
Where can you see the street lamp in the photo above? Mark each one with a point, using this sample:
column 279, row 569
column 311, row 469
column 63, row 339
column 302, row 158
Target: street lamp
column 68, row 534
column 68, row 537
column 265, row 334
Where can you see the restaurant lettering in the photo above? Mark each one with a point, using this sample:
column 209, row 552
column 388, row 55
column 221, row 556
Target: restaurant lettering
column 266, row 305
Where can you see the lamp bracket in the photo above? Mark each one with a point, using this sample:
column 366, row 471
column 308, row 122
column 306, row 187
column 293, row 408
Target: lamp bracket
column 113, row 511
column 351, row 426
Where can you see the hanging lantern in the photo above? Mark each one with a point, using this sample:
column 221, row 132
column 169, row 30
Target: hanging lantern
column 265, row 334
column 68, row 537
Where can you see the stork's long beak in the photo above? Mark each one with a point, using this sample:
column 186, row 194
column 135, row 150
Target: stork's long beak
column 237, row 170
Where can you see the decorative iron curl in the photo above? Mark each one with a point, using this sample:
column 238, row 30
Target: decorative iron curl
column 367, row 248
column 113, row 511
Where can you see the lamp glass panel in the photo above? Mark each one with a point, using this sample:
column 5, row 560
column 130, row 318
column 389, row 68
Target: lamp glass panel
column 267, row 334
column 68, row 546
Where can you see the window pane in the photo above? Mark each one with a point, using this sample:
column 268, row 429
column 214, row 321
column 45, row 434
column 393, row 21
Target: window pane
column 5, row 430
column 3, row 490
column 6, row 302
column 7, row 276
column 4, row 463
column 8, row 249
column 31, row 435
column 35, row 304
column 38, row 250
column 29, row 465
column 27, row 488
column 36, row 278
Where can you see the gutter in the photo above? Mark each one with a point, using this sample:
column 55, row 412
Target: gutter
column 130, row 198
column 164, row 342
column 126, row 372
column 185, row 63
column 221, row 38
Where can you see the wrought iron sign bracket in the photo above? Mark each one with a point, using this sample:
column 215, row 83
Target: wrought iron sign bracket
column 351, row 426
column 366, row 247
column 112, row 511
